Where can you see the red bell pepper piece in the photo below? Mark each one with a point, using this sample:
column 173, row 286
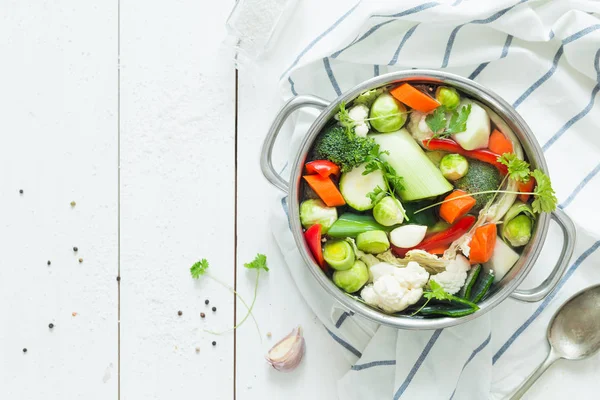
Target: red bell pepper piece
column 313, row 240
column 323, row 168
column 526, row 187
column 440, row 239
column 451, row 146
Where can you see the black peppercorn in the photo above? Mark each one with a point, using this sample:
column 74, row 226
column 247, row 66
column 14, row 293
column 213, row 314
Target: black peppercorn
column 21, row 192
column 214, row 309
column 118, row 278
column 49, row 262
column 180, row 313
column 214, row 343
column 202, row 315
column 25, row 350
column 75, row 249
column 206, row 301
column 51, row 325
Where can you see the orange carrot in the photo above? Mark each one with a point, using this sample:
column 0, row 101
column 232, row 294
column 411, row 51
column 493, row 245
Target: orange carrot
column 325, row 189
column 482, row 244
column 453, row 210
column 414, row 98
column 526, row 187
column 499, row 143
column 438, row 250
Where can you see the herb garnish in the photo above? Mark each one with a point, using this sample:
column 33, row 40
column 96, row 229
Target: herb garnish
column 437, row 121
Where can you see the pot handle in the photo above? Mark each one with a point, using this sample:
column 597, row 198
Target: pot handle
column 266, row 161
column 569, row 234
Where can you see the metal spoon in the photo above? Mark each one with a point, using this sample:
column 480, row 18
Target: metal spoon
column 573, row 333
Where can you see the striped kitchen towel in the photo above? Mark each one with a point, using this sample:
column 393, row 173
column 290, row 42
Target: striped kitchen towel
column 543, row 57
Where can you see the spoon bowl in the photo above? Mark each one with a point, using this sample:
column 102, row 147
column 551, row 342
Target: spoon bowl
column 573, row 333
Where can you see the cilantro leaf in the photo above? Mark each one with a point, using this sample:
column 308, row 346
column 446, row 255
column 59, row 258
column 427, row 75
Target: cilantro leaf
column 376, row 194
column 458, row 120
column 545, row 199
column 199, row 268
column 437, row 292
column 259, row 262
column 517, row 169
column 437, row 121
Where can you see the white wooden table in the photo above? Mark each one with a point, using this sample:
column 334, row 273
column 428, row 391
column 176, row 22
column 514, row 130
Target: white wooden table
column 132, row 110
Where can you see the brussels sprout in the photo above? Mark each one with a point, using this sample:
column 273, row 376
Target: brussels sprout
column 388, row 211
column 367, row 98
column 373, row 242
column 339, row 255
column 448, row 97
column 353, row 279
column 518, row 224
column 387, row 114
column 314, row 211
column 454, row 166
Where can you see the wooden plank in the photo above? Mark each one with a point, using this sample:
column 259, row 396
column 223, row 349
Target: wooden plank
column 58, row 142
column 279, row 306
column 177, row 199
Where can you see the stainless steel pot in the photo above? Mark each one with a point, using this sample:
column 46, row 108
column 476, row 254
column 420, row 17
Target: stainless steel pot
column 505, row 288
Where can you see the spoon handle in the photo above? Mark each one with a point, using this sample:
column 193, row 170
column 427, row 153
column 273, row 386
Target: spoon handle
column 552, row 357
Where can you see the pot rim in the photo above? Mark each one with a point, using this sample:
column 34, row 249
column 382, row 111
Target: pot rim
column 530, row 146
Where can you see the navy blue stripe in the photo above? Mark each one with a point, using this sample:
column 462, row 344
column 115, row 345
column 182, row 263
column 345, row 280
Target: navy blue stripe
column 375, row 70
column 332, row 79
column 292, row 88
column 583, row 112
column 341, row 319
column 344, row 344
column 478, row 70
column 581, row 33
column 543, row 79
column 551, row 35
column 471, row 357
column 573, row 120
column 406, row 36
column 545, row 303
column 374, row 28
column 418, row 364
column 487, row 20
column 318, row 38
column 360, row 367
column 581, row 185
column 507, row 43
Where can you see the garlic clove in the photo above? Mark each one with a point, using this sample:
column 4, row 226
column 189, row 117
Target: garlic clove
column 286, row 355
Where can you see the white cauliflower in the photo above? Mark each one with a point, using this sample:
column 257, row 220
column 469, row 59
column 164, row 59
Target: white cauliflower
column 418, row 128
column 455, row 275
column 394, row 289
column 358, row 114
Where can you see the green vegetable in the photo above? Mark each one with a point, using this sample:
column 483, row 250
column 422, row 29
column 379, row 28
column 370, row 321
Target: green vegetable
column 480, row 177
column 342, row 148
column 314, row 211
column 350, row 225
column 448, row 97
column 447, row 310
column 436, row 156
column 441, row 127
column 454, row 166
column 367, row 98
column 387, row 114
column 356, row 187
column 260, row 262
column 482, row 286
column 373, row 242
column 353, row 279
column 427, row 217
column 465, row 292
column 421, row 179
column 455, row 306
column 518, row 223
column 517, row 169
column 388, row 211
column 439, row 226
column 339, row 254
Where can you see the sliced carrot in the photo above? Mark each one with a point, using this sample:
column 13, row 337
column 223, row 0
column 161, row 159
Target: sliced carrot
column 526, row 187
column 482, row 244
column 499, row 143
column 325, row 189
column 453, row 210
column 414, row 98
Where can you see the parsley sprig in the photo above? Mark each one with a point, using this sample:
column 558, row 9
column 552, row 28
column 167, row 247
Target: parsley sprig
column 439, row 125
column 437, row 292
column 259, row 263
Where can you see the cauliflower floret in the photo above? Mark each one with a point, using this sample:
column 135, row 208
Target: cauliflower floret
column 358, row 114
column 418, row 128
column 394, row 289
column 455, row 275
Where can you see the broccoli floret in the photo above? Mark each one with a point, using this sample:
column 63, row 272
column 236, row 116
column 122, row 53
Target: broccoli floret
column 480, row 177
column 342, row 148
